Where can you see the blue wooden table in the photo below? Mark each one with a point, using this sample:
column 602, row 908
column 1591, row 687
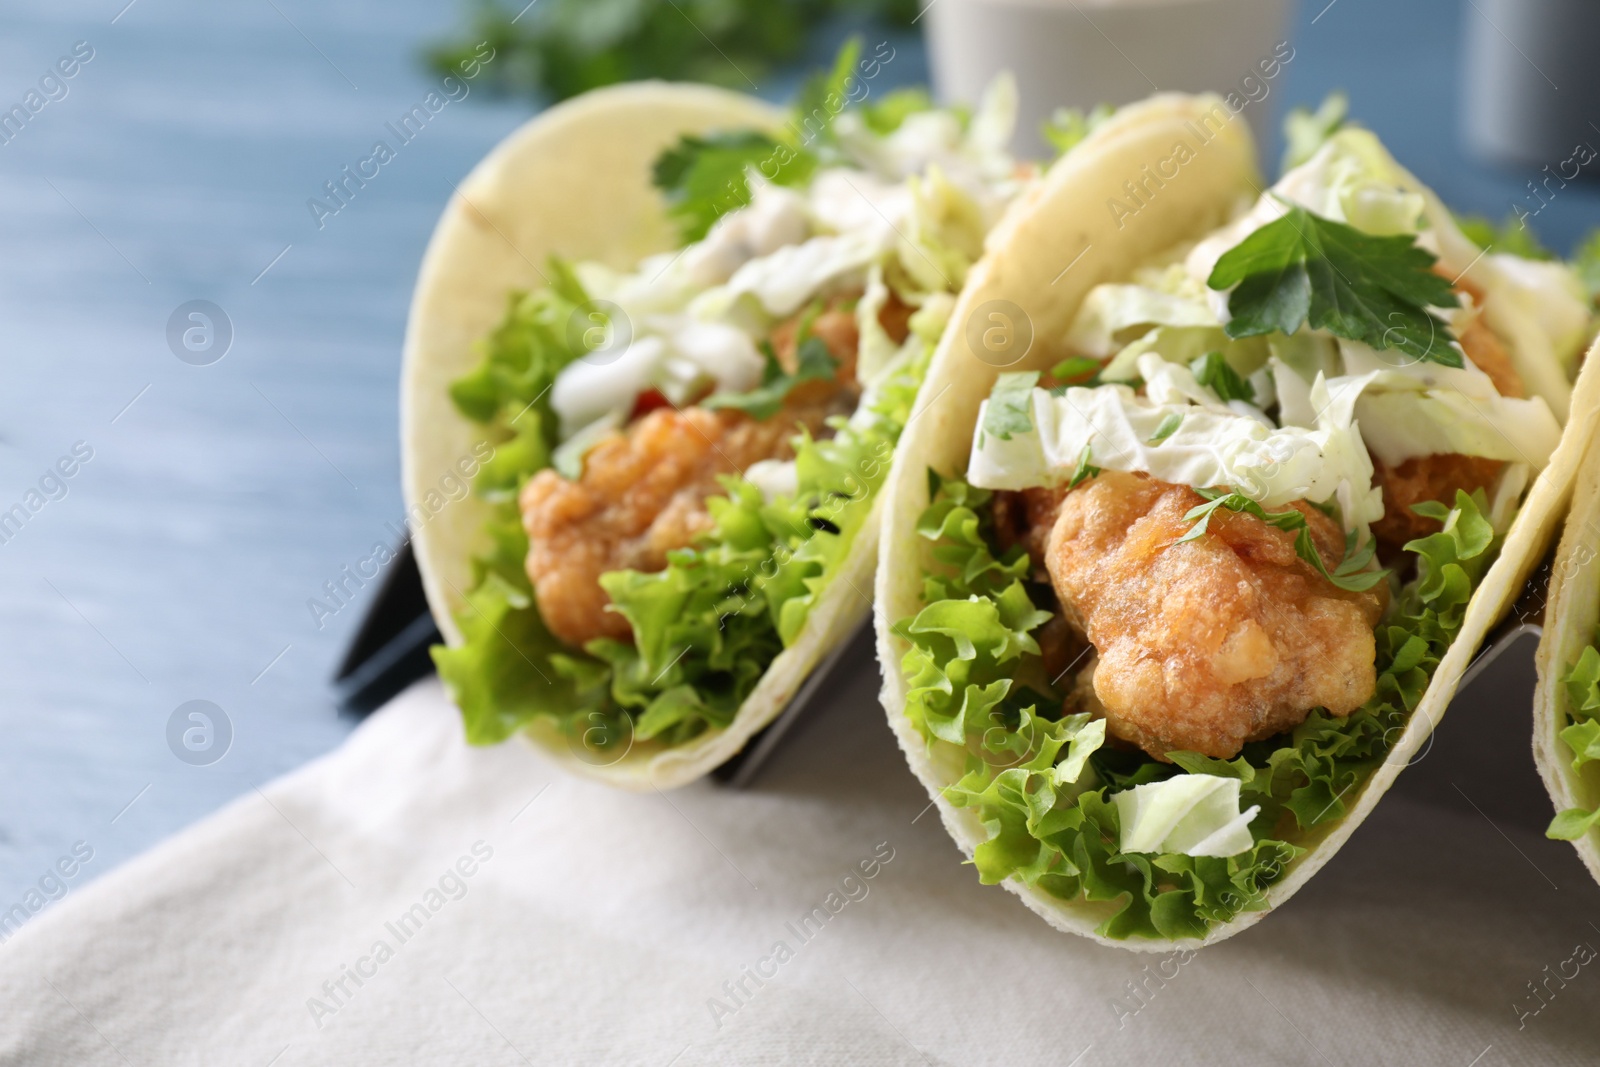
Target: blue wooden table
column 214, row 493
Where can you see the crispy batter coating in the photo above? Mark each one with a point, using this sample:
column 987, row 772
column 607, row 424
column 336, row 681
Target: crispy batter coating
column 836, row 328
column 1490, row 356
column 643, row 490
column 1421, row 478
column 1214, row 642
column 1437, row 477
column 1024, row 517
column 642, row 494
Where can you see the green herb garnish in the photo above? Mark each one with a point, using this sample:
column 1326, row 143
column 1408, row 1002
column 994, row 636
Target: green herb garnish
column 1349, row 575
column 1010, row 407
column 1303, row 268
column 813, row 362
column 1076, row 370
column 1084, row 471
column 704, row 178
column 1168, row 427
column 1212, row 370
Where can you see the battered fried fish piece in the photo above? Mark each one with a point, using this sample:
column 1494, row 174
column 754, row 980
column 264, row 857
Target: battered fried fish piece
column 1214, row 642
column 643, row 490
column 1437, row 477
column 641, row 495
column 1024, row 517
column 1421, row 478
column 1490, row 356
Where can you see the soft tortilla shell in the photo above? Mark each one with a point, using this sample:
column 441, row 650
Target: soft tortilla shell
column 1571, row 613
column 1045, row 258
column 574, row 182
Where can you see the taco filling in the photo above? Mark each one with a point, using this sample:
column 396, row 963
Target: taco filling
column 1195, row 578
column 687, row 451
column 1580, row 736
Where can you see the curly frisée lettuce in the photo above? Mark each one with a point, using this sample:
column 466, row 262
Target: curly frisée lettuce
column 1056, row 802
column 705, row 627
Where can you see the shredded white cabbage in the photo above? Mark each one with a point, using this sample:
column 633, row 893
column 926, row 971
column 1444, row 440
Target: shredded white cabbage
column 876, row 349
column 785, row 280
column 1538, row 308
column 775, row 478
column 1214, row 444
column 1335, row 399
column 587, row 390
column 775, row 218
column 1190, row 814
column 915, row 208
column 975, row 160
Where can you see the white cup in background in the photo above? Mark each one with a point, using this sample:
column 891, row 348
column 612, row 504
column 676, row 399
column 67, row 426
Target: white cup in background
column 1531, row 83
column 1078, row 53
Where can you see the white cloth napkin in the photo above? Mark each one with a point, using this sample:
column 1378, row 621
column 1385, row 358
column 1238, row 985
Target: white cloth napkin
column 527, row 917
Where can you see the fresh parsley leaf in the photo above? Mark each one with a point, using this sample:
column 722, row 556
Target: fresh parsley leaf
column 1212, row 370
column 704, row 178
column 1076, row 370
column 1303, row 268
column 1201, row 514
column 1168, row 427
column 1305, row 131
column 1066, row 128
column 1084, row 471
column 1350, row 575
column 1010, row 407
column 813, row 363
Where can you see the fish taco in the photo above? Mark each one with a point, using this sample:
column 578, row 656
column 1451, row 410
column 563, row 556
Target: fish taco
column 1168, row 596
column 1566, row 711
column 673, row 334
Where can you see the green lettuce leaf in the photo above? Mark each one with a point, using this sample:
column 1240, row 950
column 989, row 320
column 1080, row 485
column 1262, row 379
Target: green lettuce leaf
column 1188, row 814
column 1048, row 802
column 1582, row 738
column 709, row 623
column 1572, row 824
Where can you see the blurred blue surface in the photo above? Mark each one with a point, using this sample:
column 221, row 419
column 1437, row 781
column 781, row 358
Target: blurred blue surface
column 179, row 563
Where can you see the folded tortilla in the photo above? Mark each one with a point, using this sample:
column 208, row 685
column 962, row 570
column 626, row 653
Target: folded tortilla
column 575, row 182
column 1564, row 700
column 1043, row 261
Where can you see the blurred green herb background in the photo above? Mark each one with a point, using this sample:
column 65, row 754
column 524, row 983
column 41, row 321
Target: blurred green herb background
column 552, row 49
